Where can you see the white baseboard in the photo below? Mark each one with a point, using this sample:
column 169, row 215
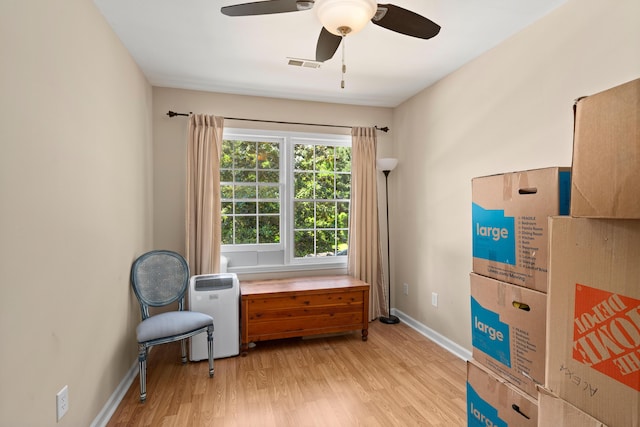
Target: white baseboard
column 434, row 336
column 110, row 407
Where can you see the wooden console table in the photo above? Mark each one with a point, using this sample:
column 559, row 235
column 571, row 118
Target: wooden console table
column 285, row 308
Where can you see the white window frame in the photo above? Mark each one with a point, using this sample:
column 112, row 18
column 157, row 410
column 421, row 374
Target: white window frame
column 287, row 140
column 233, row 134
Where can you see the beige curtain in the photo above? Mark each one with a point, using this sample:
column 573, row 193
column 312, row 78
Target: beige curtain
column 364, row 255
column 203, row 193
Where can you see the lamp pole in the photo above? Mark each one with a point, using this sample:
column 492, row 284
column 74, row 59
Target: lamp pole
column 387, row 165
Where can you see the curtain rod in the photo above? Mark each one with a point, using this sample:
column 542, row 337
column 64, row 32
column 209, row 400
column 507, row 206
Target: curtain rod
column 173, row 114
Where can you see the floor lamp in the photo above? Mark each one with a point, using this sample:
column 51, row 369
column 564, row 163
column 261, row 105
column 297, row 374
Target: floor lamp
column 386, row 166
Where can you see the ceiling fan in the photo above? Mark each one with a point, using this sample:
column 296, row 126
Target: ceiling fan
column 342, row 17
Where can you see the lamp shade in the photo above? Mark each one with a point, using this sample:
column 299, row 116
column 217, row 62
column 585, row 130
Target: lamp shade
column 387, row 164
column 342, row 17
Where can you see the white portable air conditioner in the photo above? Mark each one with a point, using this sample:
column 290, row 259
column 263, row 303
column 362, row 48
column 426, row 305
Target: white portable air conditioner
column 217, row 295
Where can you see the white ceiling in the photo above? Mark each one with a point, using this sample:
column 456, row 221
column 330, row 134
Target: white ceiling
column 189, row 44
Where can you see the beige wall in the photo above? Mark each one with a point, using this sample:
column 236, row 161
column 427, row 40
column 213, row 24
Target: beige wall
column 509, row 110
column 75, row 190
column 80, row 184
column 170, row 141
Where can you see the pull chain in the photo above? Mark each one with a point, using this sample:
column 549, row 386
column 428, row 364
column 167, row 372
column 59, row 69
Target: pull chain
column 344, row 67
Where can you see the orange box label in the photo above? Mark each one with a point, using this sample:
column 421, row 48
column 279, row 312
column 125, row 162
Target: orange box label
column 606, row 334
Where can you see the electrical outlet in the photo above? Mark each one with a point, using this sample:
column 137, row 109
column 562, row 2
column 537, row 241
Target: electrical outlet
column 434, row 299
column 405, row 288
column 62, row 402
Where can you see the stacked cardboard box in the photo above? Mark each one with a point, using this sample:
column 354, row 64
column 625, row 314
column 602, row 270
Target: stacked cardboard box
column 606, row 154
column 591, row 314
column 509, row 217
column 555, row 412
column 566, row 289
column 492, row 401
column 508, row 292
column 593, row 323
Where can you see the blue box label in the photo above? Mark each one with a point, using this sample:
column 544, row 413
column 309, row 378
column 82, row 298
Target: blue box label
column 480, row 413
column 493, row 235
column 489, row 334
column 564, row 184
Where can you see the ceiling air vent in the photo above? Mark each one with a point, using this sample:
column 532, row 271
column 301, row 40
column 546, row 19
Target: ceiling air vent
column 305, row 63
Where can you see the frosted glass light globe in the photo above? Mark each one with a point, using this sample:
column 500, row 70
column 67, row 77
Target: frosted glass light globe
column 342, row 17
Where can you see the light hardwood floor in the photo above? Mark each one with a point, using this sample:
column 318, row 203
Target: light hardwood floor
column 396, row 378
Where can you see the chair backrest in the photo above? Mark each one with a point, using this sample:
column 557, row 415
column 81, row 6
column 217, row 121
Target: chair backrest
column 159, row 278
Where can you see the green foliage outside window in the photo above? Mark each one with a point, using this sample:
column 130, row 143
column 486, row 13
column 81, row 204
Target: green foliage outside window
column 250, row 196
column 249, row 192
column 322, row 182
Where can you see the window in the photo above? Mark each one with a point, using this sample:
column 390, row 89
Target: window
column 321, row 182
column 250, row 192
column 285, row 198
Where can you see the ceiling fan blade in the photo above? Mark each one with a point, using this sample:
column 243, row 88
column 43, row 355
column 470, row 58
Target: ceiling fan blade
column 261, row 8
column 327, row 45
column 404, row 21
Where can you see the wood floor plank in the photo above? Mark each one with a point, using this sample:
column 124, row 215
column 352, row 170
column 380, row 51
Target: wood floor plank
column 396, row 378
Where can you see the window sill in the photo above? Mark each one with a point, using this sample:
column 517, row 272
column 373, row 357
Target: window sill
column 278, row 271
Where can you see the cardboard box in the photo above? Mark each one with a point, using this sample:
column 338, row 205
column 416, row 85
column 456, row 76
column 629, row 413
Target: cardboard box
column 606, row 154
column 508, row 331
column 509, row 215
column 593, row 323
column 553, row 411
column 491, row 401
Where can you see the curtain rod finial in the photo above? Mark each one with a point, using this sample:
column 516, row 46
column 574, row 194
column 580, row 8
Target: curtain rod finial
column 173, row 114
column 384, row 129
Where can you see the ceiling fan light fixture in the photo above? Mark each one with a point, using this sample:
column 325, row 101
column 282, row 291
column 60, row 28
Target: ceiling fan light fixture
column 342, row 17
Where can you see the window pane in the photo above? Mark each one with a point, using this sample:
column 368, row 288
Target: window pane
column 227, row 208
column 326, row 242
column 343, row 186
column 245, row 208
column 303, row 244
column 269, row 227
column 268, row 176
column 245, row 176
column 226, row 157
column 245, row 191
column 303, row 215
column 226, row 191
column 246, row 232
column 325, row 187
column 243, row 165
column 244, row 155
column 325, row 215
column 303, row 157
column 227, row 230
column 343, row 215
column 304, row 184
column 269, row 207
column 343, row 242
column 324, row 158
column 268, row 192
column 343, row 159
column 268, row 156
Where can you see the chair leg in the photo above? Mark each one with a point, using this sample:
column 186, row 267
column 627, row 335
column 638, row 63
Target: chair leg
column 210, row 349
column 142, row 363
column 183, row 347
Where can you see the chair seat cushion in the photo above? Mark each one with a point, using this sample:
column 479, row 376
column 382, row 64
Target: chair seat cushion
column 171, row 324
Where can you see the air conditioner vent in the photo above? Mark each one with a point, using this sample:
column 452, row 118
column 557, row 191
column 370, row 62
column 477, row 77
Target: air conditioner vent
column 305, row 63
